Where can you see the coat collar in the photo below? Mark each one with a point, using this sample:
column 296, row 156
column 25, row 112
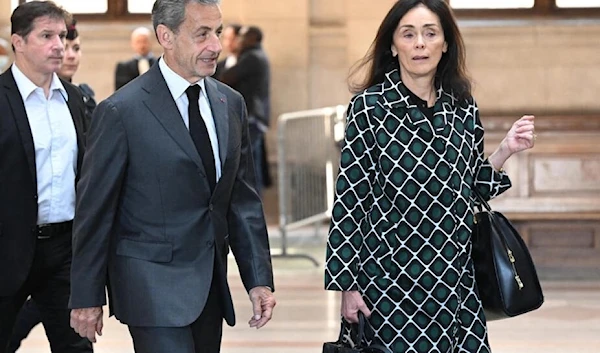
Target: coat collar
column 396, row 98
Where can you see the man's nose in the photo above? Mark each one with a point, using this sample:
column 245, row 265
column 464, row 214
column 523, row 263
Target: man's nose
column 59, row 42
column 215, row 43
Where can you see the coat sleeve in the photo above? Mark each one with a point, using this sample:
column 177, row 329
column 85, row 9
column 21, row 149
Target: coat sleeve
column 98, row 193
column 489, row 182
column 353, row 199
column 248, row 236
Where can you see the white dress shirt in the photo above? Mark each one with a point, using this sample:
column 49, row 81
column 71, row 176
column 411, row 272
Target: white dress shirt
column 177, row 86
column 55, row 142
column 230, row 61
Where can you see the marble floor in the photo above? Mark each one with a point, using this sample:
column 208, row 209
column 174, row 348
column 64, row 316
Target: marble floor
column 306, row 315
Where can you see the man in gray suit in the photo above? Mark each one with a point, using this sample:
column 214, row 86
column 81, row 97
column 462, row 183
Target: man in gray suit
column 167, row 187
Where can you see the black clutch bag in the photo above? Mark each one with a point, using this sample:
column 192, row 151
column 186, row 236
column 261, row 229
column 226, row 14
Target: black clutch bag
column 504, row 271
column 340, row 347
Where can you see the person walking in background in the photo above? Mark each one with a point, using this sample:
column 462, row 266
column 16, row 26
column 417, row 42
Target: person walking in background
column 251, row 76
column 4, row 55
column 231, row 44
column 41, row 149
column 30, row 316
column 140, row 63
column 70, row 66
column 167, row 187
column 399, row 245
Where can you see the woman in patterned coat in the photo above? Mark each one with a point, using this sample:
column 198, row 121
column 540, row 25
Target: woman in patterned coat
column 399, row 246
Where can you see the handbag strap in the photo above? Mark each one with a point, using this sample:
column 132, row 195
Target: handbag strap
column 493, row 221
column 361, row 328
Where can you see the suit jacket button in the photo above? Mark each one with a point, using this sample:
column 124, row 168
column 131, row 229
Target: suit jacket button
column 35, row 197
column 210, row 207
column 209, row 243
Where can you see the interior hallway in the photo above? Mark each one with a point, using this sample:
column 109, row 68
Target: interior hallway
column 306, row 315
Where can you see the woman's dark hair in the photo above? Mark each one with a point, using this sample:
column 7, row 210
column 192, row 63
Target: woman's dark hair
column 72, row 30
column 236, row 28
column 451, row 70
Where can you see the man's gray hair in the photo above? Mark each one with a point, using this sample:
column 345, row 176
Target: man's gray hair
column 171, row 13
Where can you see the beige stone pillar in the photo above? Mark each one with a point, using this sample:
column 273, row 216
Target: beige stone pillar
column 285, row 25
column 328, row 58
column 5, row 12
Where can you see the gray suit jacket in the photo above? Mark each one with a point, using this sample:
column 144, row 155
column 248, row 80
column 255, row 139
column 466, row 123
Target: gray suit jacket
column 145, row 215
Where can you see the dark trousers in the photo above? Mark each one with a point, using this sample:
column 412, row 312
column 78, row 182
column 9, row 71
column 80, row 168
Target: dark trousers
column 48, row 285
column 27, row 319
column 202, row 336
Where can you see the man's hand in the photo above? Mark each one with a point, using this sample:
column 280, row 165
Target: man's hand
column 87, row 322
column 352, row 303
column 263, row 303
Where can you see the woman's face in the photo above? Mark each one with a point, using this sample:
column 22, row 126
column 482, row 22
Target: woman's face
column 71, row 59
column 419, row 43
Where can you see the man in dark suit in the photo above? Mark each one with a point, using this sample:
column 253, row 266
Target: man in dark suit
column 231, row 44
column 41, row 149
column 140, row 63
column 251, row 77
column 167, row 188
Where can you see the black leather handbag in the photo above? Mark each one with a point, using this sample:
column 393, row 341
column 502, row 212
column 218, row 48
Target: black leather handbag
column 504, row 271
column 340, row 347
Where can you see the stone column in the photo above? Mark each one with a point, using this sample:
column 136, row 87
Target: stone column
column 5, row 12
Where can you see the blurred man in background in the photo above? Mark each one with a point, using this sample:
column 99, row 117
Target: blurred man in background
column 140, row 63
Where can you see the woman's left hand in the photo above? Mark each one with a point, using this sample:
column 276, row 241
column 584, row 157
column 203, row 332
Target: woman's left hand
column 521, row 135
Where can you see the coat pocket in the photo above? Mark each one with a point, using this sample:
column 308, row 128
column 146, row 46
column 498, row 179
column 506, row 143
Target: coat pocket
column 155, row 252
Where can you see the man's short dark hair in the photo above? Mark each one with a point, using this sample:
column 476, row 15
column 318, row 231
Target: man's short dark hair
column 255, row 33
column 24, row 16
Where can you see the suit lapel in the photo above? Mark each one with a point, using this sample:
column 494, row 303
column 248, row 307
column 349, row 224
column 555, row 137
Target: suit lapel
column 19, row 113
column 161, row 105
column 218, row 106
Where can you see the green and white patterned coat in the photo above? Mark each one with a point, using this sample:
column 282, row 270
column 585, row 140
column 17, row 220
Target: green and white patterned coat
column 402, row 218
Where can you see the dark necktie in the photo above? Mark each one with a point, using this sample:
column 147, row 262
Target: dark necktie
column 200, row 135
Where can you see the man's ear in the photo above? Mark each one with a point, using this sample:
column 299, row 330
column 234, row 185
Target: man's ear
column 17, row 42
column 165, row 36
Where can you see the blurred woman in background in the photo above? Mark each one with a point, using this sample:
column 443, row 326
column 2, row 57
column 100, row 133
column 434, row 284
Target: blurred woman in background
column 71, row 64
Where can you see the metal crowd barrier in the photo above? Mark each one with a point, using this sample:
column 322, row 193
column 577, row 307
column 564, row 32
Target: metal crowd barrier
column 308, row 158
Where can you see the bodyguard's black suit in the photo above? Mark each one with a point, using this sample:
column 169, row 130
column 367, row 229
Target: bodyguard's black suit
column 20, row 250
column 127, row 71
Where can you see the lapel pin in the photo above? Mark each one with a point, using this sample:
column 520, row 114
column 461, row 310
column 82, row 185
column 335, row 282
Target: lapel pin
column 222, row 100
